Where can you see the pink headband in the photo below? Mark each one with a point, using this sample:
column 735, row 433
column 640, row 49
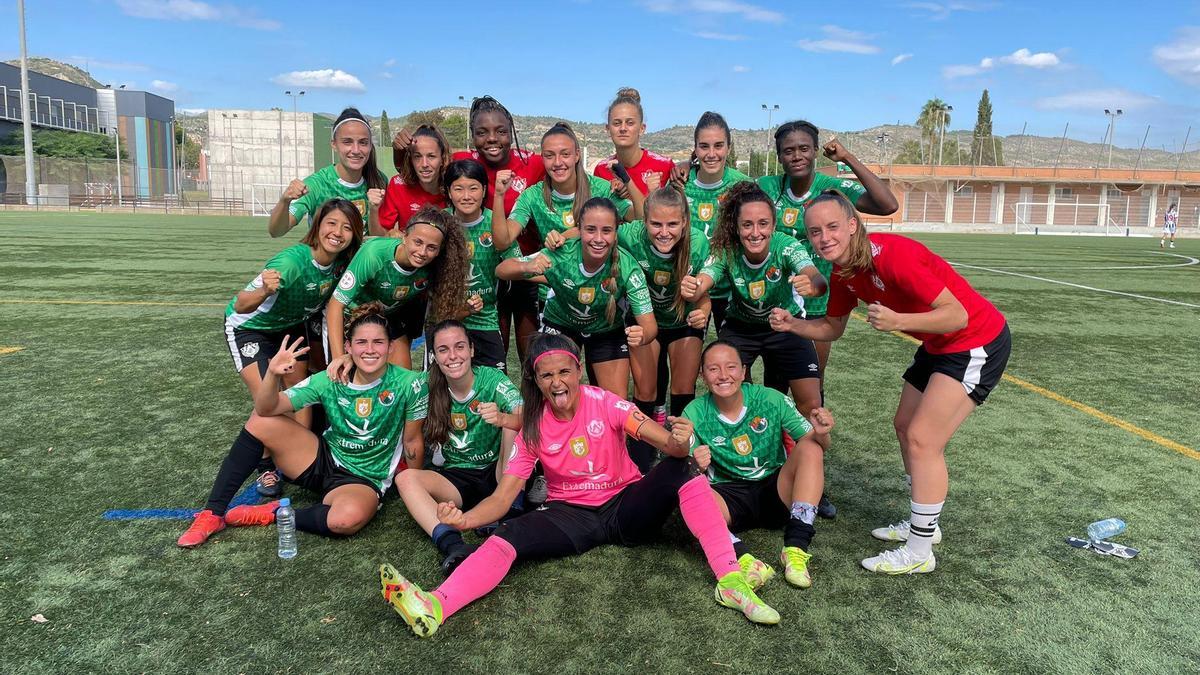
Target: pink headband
column 553, row 352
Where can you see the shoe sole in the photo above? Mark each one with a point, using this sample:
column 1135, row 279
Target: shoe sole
column 915, row 569
column 937, row 537
column 806, row 582
column 415, row 621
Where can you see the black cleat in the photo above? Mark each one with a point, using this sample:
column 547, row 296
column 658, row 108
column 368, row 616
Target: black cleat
column 456, row 556
column 826, row 509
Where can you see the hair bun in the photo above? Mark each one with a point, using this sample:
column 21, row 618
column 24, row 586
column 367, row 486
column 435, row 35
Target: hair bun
column 630, row 93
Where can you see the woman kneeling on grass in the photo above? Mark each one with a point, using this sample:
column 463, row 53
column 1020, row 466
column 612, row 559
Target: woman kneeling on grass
column 965, row 345
column 597, row 495
column 474, row 411
column 351, row 465
column 756, row 483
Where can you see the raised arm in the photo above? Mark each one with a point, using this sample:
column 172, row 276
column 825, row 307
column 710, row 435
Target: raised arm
column 878, row 200
column 825, row 329
column 282, row 219
column 269, row 401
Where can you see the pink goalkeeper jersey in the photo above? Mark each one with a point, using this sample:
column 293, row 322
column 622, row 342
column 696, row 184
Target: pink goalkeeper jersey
column 584, row 459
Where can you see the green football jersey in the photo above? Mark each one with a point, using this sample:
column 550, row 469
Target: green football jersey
column 473, row 443
column 531, row 206
column 578, row 300
column 751, row 447
column 659, row 270
column 324, row 185
column 481, row 276
column 304, row 288
column 705, row 200
column 366, row 421
column 757, row 289
column 789, row 218
column 374, row 274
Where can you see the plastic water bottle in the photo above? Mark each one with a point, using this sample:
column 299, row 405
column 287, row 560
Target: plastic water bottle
column 1104, row 529
column 285, row 521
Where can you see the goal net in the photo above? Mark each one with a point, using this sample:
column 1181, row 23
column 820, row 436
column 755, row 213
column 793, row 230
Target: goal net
column 1064, row 218
column 263, row 197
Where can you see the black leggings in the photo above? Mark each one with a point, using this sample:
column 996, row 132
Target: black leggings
column 634, row 516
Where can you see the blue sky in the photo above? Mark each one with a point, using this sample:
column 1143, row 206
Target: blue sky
column 842, row 66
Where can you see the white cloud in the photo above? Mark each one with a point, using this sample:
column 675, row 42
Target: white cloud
column 164, row 86
column 1095, row 100
column 326, row 78
column 192, row 111
column 1181, row 58
column 900, row 58
column 1023, row 57
column 741, row 69
column 943, row 10
column 726, row 37
column 746, row 11
column 838, row 39
column 389, row 63
column 386, row 75
column 194, row 10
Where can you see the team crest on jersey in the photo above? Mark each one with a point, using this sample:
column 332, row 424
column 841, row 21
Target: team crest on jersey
column 579, row 446
column 790, row 216
column 774, row 273
column 876, row 249
column 757, row 289
column 400, row 293
column 386, row 398
column 519, row 184
column 569, row 219
column 758, row 424
column 662, row 277
column 586, row 295
column 474, row 405
column 363, row 406
column 458, row 421
column 249, row 349
column 485, row 239
column 347, row 281
column 742, row 445
column 470, row 248
column 325, row 286
column 362, row 207
column 705, row 212
column 877, row 281
column 595, row 429
column 419, row 284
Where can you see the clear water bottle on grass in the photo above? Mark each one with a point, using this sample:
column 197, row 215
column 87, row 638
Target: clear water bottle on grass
column 285, row 521
column 1103, row 529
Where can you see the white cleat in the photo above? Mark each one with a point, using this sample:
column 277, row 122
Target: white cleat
column 899, row 561
column 899, row 532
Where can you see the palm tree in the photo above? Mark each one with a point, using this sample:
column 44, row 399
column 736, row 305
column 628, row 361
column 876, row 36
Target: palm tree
column 934, row 117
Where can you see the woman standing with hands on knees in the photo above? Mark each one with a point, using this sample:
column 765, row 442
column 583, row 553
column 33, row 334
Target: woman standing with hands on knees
column 965, row 345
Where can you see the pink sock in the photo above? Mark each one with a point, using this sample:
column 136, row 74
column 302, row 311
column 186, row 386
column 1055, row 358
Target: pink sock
column 476, row 576
column 704, row 519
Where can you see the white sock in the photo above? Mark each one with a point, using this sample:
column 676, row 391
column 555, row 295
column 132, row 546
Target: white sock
column 922, row 521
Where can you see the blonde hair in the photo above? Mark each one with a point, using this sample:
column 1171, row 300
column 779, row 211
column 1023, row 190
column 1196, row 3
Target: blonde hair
column 671, row 196
column 859, row 258
column 583, row 188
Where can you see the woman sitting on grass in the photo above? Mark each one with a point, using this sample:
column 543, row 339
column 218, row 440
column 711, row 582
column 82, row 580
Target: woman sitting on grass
column 372, row 419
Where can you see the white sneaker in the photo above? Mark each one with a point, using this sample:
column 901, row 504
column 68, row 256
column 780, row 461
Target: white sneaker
column 899, row 532
column 1172, row 244
column 899, row 561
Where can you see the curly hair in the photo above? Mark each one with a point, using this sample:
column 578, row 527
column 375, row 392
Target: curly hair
column 448, row 272
column 487, row 104
column 725, row 241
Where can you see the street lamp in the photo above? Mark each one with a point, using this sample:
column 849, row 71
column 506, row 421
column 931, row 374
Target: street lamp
column 1112, row 127
column 767, row 158
column 942, row 125
column 229, row 133
column 881, row 141
column 295, row 143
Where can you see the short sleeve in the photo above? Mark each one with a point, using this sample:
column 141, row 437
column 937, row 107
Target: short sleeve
column 361, row 269
column 306, row 204
column 620, row 414
column 693, row 414
column 507, row 394
column 284, row 264
column 699, row 252
column 635, row 286
column 841, row 300
column 790, row 418
column 513, row 251
column 308, row 391
column 623, row 205
column 255, row 283
column 629, row 233
column 418, row 402
column 389, row 210
column 714, row 266
column 795, row 255
column 522, row 211
column 852, row 189
column 915, row 279
column 521, row 459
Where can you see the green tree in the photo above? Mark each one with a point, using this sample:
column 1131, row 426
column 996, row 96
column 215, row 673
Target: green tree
column 188, row 147
column 758, row 164
column 70, row 144
column 985, row 149
column 910, row 153
column 933, row 120
column 385, row 128
column 731, row 159
column 455, row 129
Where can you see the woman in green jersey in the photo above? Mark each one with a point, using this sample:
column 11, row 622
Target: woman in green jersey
column 764, row 269
column 474, row 414
column 587, row 278
column 667, row 249
column 467, row 189
column 757, row 484
column 430, row 256
column 373, row 418
column 355, row 178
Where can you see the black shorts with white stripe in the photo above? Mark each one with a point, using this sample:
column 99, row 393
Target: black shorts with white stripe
column 255, row 347
column 979, row 369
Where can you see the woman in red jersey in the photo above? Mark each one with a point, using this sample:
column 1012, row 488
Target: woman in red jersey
column 421, row 160
column 647, row 171
column 965, row 346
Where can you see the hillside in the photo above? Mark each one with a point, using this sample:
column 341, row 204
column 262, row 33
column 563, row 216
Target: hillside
column 63, row 71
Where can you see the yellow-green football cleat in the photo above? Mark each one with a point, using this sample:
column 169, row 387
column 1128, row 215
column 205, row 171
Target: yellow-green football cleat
column 733, row 591
column 900, row 561
column 422, row 611
column 795, row 566
column 757, row 572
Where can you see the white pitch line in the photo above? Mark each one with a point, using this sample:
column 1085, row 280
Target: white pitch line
column 1189, row 261
column 1086, row 288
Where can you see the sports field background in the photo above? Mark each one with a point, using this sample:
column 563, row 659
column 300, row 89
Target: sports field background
column 132, row 405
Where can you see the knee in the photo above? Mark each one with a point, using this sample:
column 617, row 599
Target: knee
column 346, row 519
column 408, row 480
column 900, row 424
column 920, row 443
column 256, row 425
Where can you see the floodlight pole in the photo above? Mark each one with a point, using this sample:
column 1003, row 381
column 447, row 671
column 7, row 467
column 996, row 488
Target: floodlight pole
column 1182, row 151
column 295, row 132
column 26, row 123
column 767, row 144
column 1112, row 128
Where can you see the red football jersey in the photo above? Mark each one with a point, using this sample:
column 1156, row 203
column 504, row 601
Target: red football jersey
column 650, row 164
column 528, row 170
column 907, row 279
column 401, row 201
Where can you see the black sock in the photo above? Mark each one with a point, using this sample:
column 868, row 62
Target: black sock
column 314, row 520
column 446, row 538
column 740, row 548
column 679, row 402
column 798, row 533
column 266, row 464
column 241, row 461
column 664, row 379
column 642, row 453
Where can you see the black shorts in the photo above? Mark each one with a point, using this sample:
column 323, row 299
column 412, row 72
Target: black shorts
column 324, row 474
column 473, row 484
column 248, row 346
column 407, row 320
column 518, row 297
column 489, row 349
column 786, row 355
column 597, row 347
column 753, row 503
column 979, row 370
column 668, row 335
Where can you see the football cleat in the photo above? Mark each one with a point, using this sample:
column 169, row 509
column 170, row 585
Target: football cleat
column 795, row 566
column 899, row 561
column 205, row 525
column 733, row 591
column 757, row 572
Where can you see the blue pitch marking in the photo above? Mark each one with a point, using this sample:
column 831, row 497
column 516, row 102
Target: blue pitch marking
column 247, row 496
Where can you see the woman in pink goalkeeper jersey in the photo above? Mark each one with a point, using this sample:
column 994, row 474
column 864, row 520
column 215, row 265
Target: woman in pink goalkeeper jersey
column 596, row 494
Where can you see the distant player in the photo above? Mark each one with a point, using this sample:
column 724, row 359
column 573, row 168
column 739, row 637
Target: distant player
column 355, row 177
column 1170, row 221
column 647, row 170
column 756, row 483
column 597, row 496
column 474, row 414
column 965, row 347
column 373, row 419
column 421, row 158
